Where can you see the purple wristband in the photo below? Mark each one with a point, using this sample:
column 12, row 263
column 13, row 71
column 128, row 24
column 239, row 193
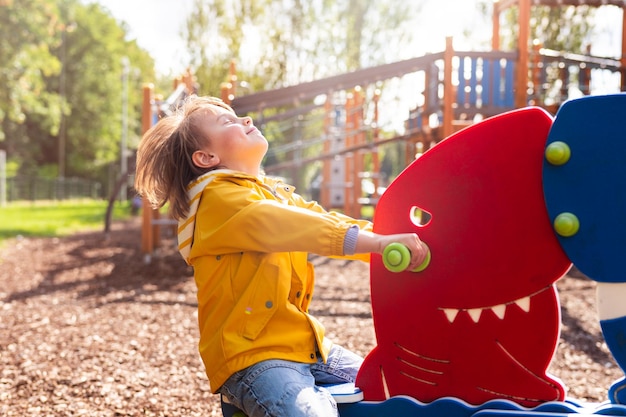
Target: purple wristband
column 349, row 241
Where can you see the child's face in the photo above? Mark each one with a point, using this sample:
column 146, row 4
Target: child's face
column 232, row 142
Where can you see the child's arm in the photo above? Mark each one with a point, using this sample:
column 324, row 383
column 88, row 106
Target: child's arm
column 240, row 220
column 366, row 241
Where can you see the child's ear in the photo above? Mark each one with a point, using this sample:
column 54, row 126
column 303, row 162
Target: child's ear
column 203, row 159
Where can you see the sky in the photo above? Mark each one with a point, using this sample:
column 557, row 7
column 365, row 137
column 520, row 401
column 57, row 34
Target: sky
column 156, row 25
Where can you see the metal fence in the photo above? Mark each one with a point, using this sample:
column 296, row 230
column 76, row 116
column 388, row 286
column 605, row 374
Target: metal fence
column 37, row 188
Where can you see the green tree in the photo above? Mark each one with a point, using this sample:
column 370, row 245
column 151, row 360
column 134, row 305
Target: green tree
column 61, row 66
column 278, row 43
column 28, row 31
column 93, row 57
column 561, row 28
column 214, row 32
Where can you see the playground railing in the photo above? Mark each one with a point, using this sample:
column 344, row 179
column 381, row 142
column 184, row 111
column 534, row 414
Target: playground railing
column 453, row 89
column 485, row 82
column 556, row 76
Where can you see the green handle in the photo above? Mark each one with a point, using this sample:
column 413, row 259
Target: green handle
column 397, row 258
column 558, row 153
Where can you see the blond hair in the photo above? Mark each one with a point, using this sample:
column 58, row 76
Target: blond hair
column 164, row 156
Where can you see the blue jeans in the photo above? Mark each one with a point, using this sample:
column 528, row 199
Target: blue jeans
column 278, row 388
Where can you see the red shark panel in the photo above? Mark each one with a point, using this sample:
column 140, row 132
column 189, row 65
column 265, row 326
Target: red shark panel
column 482, row 320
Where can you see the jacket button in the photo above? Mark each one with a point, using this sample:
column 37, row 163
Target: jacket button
column 312, row 355
column 269, row 304
column 308, row 296
column 298, row 294
column 218, row 257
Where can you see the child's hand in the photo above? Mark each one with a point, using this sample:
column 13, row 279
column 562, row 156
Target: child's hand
column 369, row 242
column 417, row 248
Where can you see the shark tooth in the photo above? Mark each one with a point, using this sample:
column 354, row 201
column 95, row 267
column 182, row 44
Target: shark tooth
column 450, row 314
column 475, row 313
column 499, row 310
column 524, row 303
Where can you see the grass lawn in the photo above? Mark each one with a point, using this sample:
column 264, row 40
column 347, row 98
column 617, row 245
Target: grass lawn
column 56, row 218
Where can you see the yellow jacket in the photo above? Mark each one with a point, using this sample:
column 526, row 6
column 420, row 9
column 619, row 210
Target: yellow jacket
column 247, row 239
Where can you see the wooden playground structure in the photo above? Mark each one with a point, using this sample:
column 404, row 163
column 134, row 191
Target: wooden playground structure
column 457, row 88
column 153, row 109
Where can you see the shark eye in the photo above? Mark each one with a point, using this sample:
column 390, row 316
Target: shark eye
column 419, row 216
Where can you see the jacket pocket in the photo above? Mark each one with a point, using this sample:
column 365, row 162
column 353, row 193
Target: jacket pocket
column 261, row 301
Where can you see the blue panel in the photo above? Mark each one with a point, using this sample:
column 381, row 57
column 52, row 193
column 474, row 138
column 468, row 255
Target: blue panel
column 614, row 331
column 497, row 81
column 592, row 183
column 487, row 82
column 460, row 92
column 473, row 82
column 452, row 407
column 509, row 83
column 617, row 392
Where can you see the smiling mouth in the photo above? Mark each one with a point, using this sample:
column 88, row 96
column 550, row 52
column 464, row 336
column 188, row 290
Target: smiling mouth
column 252, row 130
column 499, row 310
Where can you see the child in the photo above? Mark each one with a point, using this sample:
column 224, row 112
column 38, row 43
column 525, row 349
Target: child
column 247, row 237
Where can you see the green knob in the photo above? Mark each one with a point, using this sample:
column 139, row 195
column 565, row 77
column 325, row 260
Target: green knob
column 397, row 258
column 566, row 224
column 558, row 153
column 424, row 263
